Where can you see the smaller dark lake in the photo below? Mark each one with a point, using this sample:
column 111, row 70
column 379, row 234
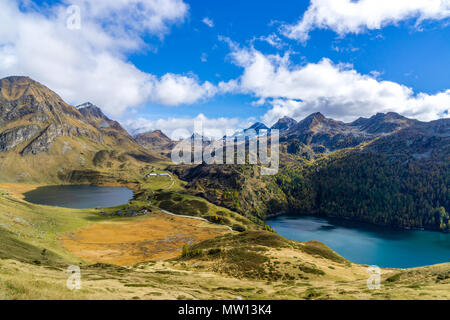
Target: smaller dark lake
column 79, row 197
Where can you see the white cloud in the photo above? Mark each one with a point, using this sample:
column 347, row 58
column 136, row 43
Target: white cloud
column 180, row 128
column 208, row 21
column 90, row 63
column 272, row 39
column 337, row 90
column 174, row 90
column 349, row 16
column 125, row 16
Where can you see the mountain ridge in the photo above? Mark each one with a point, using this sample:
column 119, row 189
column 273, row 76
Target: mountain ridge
column 30, row 112
column 42, row 138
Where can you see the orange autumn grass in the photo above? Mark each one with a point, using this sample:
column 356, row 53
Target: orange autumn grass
column 125, row 243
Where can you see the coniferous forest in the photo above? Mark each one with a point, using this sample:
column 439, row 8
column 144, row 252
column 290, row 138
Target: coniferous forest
column 372, row 188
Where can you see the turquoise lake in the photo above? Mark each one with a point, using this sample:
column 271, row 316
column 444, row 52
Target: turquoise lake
column 368, row 244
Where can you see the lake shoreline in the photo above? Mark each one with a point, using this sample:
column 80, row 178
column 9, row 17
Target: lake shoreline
column 368, row 244
column 284, row 214
column 80, row 196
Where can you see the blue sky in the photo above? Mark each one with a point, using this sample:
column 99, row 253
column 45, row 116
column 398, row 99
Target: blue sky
column 214, row 59
column 420, row 60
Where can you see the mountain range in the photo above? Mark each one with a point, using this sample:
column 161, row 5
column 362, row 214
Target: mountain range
column 32, row 118
column 387, row 169
column 318, row 130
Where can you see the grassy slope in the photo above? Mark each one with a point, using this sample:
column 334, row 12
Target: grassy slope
column 170, row 194
column 38, row 228
column 41, row 226
column 292, row 272
column 251, row 265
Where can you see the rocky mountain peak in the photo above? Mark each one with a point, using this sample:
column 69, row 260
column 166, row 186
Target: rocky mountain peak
column 23, row 97
column 16, row 87
column 32, row 117
column 156, row 136
column 35, row 123
column 155, row 141
column 16, row 80
column 161, row 134
column 315, row 117
column 284, row 124
column 95, row 116
column 86, row 105
column 89, row 110
column 389, row 116
column 310, row 122
column 258, row 126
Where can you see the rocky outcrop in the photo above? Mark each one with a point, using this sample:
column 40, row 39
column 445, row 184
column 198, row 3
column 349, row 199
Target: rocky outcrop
column 11, row 111
column 16, row 136
column 43, row 142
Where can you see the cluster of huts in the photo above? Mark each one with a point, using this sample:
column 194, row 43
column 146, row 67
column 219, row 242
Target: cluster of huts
column 158, row 175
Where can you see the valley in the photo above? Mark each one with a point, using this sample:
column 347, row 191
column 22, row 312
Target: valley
column 386, row 170
column 42, row 241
